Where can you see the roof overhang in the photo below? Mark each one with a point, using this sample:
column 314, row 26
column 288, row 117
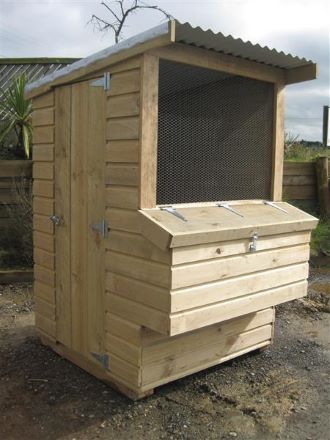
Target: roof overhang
column 295, row 69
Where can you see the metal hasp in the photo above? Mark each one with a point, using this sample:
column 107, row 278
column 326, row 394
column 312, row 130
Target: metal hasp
column 253, row 243
column 104, row 82
column 103, row 359
column 267, row 202
column 229, row 208
column 101, row 227
column 55, row 219
column 173, row 211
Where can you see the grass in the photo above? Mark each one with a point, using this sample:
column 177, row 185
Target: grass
column 300, row 153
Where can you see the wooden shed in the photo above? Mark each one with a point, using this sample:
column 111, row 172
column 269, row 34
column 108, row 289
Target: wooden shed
column 161, row 244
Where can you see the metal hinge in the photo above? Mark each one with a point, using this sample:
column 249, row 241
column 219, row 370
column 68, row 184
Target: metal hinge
column 103, row 359
column 229, row 208
column 104, row 82
column 102, row 227
column 272, row 204
column 174, row 212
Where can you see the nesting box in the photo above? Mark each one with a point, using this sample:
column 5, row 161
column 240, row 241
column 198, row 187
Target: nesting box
column 161, row 244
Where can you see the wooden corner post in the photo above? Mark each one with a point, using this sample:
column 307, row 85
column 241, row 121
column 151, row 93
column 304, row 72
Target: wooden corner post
column 148, row 130
column 322, row 177
column 278, row 142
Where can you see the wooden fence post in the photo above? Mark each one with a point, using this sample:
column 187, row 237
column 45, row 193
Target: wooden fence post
column 322, row 178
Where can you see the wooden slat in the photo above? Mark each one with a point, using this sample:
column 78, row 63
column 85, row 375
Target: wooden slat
column 138, row 313
column 158, row 350
column 138, row 291
column 123, row 220
column 208, row 59
column 122, row 151
column 44, row 275
column 43, row 188
column 225, row 290
column 213, row 270
column 299, row 74
column 123, row 105
column 42, row 205
column 136, row 245
column 43, row 170
column 125, row 82
column 62, row 209
column 149, row 131
column 278, row 142
column 44, row 258
column 45, row 292
column 191, row 361
column 45, row 100
column 123, row 349
column 123, row 128
column 138, row 268
column 48, row 326
column 201, row 317
column 43, row 135
column 44, row 241
column 79, row 191
column 43, row 117
column 43, row 153
column 126, row 330
column 15, row 168
column 95, row 212
column 299, row 180
column 42, row 223
column 208, row 251
column 299, row 168
column 121, row 197
column 122, row 174
column 45, row 309
column 300, row 192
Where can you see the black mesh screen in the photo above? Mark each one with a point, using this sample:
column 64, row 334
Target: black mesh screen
column 214, row 136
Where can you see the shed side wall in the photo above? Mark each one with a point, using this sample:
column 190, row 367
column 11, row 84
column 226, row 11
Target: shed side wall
column 137, row 272
column 43, row 207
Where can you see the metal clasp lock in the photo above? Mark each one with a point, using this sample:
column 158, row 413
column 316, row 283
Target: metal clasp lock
column 253, row 243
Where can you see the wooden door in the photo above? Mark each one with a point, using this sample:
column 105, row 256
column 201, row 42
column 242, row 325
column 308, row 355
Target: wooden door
column 80, row 205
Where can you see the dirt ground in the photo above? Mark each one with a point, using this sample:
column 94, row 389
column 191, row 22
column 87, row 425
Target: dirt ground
column 282, row 393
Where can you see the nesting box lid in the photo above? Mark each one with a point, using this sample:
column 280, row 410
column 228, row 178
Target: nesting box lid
column 170, row 227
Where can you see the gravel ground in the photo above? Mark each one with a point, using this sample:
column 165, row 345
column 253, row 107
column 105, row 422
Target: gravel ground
column 281, row 393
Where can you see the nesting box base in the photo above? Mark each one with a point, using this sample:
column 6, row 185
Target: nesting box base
column 165, row 359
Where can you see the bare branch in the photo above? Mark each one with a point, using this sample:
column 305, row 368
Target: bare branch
column 117, row 26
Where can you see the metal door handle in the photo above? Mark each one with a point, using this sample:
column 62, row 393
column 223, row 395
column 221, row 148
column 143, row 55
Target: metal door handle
column 55, row 219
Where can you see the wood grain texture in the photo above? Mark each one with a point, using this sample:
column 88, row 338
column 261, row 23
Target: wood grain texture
column 278, row 142
column 149, row 131
column 122, row 151
column 63, row 210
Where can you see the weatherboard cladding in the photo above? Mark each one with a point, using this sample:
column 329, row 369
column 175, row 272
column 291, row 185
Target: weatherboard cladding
column 186, row 34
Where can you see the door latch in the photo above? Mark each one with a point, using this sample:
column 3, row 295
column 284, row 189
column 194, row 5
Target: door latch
column 253, row 243
column 101, row 228
column 55, row 219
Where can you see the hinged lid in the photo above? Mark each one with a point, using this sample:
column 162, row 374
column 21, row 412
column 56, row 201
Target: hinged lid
column 211, row 223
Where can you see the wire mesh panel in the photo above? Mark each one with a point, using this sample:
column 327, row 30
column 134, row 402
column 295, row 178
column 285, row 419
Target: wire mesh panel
column 214, row 136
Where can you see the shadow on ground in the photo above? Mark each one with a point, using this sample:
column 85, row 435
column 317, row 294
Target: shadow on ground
column 280, row 393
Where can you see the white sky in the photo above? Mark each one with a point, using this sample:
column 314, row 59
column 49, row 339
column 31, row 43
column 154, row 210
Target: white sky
column 48, row 28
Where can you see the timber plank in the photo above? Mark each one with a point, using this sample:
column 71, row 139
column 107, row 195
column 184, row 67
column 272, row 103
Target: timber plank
column 122, row 174
column 43, row 135
column 42, row 205
column 125, row 82
column 122, row 151
column 44, row 241
column 43, row 153
column 43, row 188
column 44, row 100
column 42, row 223
column 43, row 170
column 62, row 209
column 123, row 105
column 121, row 197
column 43, row 117
column 44, row 258
column 123, row 128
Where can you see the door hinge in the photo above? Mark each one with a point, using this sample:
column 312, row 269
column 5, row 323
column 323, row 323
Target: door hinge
column 102, row 227
column 103, row 359
column 104, row 82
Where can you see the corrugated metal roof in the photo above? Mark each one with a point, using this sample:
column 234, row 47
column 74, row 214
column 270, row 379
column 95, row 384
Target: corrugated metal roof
column 34, row 68
column 196, row 36
column 172, row 32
